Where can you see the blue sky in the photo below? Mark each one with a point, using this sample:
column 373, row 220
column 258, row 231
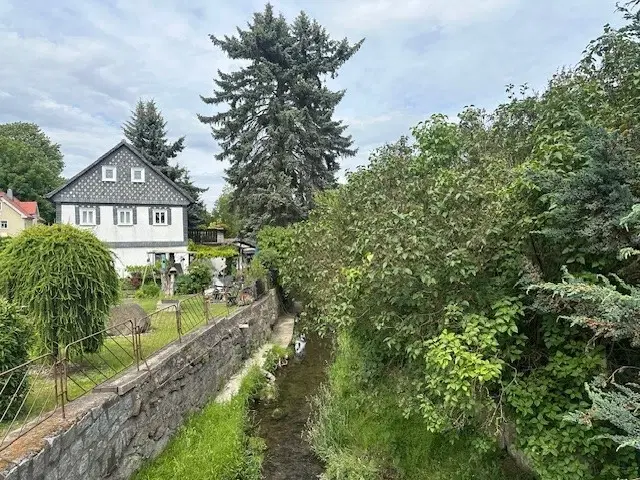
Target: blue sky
column 77, row 67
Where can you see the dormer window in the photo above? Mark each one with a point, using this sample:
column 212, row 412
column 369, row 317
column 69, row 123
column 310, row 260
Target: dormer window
column 109, row 173
column 137, row 175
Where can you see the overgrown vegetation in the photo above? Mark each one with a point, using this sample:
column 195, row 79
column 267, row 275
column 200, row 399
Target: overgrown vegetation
column 65, row 278
column 215, row 443
column 364, row 436
column 490, row 267
column 15, row 338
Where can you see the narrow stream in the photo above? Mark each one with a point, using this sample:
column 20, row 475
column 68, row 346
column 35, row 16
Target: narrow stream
column 288, row 455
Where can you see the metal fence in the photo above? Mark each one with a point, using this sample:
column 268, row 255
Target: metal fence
column 32, row 392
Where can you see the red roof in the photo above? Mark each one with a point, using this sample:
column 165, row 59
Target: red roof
column 29, row 209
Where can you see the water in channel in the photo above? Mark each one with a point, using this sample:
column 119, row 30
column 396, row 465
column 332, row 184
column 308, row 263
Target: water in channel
column 288, row 455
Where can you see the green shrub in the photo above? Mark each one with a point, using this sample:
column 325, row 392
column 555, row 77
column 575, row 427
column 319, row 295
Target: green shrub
column 198, row 279
column 66, row 278
column 148, row 290
column 186, row 285
column 201, row 272
column 15, row 339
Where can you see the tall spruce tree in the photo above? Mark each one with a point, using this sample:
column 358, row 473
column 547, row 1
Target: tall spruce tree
column 147, row 131
column 278, row 132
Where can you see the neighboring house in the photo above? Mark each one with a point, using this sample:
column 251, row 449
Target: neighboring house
column 216, row 237
column 130, row 205
column 16, row 215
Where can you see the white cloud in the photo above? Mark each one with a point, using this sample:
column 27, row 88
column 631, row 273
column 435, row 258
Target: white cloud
column 370, row 14
column 77, row 67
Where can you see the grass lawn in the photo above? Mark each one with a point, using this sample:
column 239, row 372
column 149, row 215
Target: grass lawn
column 85, row 371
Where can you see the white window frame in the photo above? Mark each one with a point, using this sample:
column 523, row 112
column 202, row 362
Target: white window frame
column 90, row 214
column 4, row 225
column 134, row 170
column 105, row 169
column 123, row 211
column 157, row 211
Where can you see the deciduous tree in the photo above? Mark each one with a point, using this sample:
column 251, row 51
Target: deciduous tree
column 30, row 164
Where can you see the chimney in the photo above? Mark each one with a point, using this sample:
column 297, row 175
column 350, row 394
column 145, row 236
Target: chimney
column 10, row 194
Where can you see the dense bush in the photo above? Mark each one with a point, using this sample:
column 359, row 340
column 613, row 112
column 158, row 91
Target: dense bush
column 477, row 263
column 185, row 285
column 66, row 278
column 198, row 278
column 15, row 339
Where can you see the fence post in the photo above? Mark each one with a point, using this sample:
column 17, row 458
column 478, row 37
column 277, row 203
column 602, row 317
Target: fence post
column 178, row 321
column 134, row 339
column 64, row 394
column 206, row 308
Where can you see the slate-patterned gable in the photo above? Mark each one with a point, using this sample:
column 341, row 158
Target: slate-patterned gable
column 89, row 187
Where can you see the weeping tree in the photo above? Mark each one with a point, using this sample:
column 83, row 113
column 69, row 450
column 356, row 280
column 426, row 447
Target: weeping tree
column 65, row 278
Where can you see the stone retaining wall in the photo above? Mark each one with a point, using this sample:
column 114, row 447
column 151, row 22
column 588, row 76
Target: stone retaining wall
column 131, row 419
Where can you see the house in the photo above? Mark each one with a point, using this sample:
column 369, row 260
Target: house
column 16, row 215
column 130, row 205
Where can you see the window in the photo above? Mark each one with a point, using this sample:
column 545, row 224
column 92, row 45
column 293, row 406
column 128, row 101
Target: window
column 160, row 217
column 108, row 174
column 137, row 175
column 125, row 216
column 87, row 216
column 4, row 224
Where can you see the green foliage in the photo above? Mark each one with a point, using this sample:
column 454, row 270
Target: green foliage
column 30, row 164
column 213, row 251
column 273, row 246
column 223, row 213
column 476, row 263
column 66, row 279
column 359, row 432
column 15, row 340
column 197, row 280
column 202, row 274
column 215, row 444
column 3, row 242
column 275, row 356
column 147, row 131
column 256, row 271
column 148, row 290
column 279, row 130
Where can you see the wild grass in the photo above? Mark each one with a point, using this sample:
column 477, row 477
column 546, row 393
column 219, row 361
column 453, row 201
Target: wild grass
column 215, row 443
column 361, row 433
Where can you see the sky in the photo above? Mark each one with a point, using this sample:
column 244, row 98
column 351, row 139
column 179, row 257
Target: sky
column 77, row 67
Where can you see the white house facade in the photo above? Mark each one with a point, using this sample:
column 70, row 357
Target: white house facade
column 130, row 205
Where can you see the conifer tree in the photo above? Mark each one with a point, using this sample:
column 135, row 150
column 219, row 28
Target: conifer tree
column 278, row 132
column 147, row 131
